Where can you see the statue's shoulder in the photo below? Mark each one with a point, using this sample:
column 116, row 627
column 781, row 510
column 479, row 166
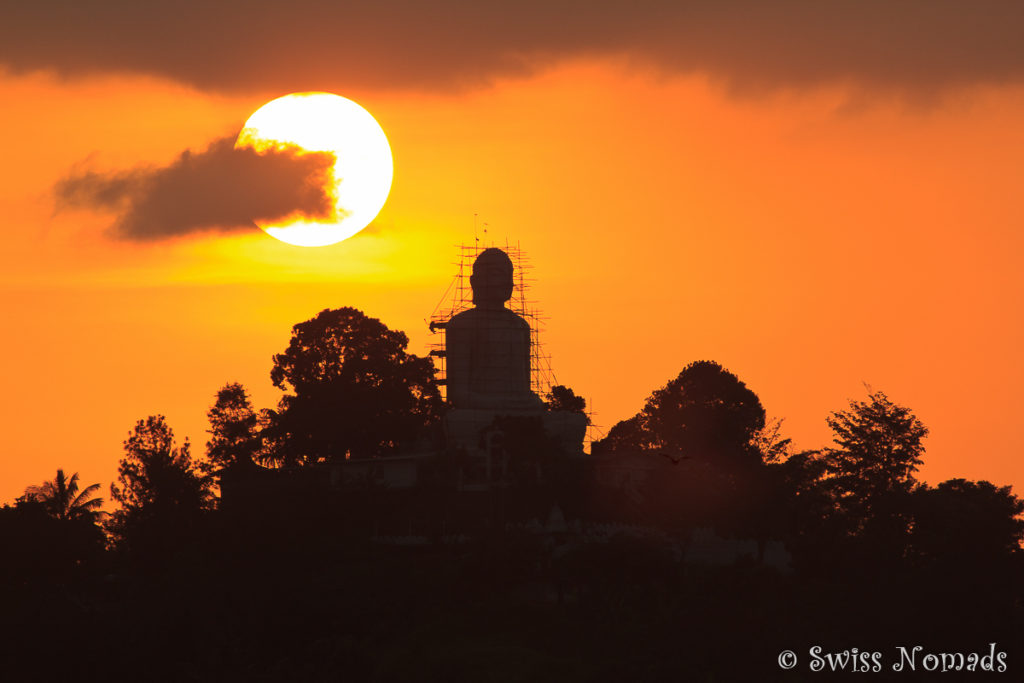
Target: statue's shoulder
column 517, row 319
column 465, row 318
column 507, row 320
column 476, row 317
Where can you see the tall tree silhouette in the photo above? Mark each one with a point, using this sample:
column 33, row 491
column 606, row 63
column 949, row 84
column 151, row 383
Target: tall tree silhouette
column 159, row 486
column 878, row 450
column 234, row 431
column 62, row 499
column 355, row 391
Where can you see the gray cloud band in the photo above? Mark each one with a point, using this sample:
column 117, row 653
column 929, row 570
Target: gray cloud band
column 220, row 189
column 324, row 44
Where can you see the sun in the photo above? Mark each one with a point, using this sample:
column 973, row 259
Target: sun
column 323, row 122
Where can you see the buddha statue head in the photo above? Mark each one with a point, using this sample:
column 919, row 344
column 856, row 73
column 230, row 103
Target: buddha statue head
column 491, row 279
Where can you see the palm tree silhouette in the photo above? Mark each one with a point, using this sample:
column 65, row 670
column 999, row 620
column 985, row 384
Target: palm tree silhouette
column 63, row 500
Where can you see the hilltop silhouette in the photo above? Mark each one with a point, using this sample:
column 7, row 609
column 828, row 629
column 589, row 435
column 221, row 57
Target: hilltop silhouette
column 383, row 523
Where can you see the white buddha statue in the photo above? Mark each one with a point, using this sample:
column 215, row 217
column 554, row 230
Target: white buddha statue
column 488, row 365
column 488, row 346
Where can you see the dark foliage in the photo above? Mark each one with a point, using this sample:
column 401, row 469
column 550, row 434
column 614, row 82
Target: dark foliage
column 160, row 488
column 355, row 391
column 705, row 413
column 43, row 549
column 870, row 472
column 965, row 522
column 626, row 435
column 299, row 579
column 235, row 430
column 62, row 499
column 563, row 398
column 878, row 450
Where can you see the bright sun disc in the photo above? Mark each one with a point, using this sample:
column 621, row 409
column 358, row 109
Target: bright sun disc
column 322, row 122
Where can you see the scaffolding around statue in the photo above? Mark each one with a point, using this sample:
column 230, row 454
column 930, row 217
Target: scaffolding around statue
column 458, row 297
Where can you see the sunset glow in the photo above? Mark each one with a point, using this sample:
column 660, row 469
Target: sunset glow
column 640, row 342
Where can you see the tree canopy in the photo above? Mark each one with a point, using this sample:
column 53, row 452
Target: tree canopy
column 706, row 413
column 966, row 521
column 158, row 483
column 234, row 429
column 62, row 499
column 354, row 390
column 563, row 398
column 878, row 450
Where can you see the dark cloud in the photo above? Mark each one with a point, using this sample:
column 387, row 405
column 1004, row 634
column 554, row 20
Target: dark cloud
column 221, row 188
column 328, row 44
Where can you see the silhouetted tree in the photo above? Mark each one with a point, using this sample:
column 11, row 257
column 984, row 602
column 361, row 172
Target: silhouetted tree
column 770, row 443
column 40, row 547
column 966, row 522
column 871, row 469
column 234, row 431
column 563, row 398
column 62, row 500
column 705, row 413
column 630, row 434
column 708, row 429
column 355, row 390
column 159, row 486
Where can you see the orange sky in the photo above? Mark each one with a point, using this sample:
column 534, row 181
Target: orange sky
column 810, row 240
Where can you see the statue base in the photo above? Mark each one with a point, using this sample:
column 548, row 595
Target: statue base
column 478, row 434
